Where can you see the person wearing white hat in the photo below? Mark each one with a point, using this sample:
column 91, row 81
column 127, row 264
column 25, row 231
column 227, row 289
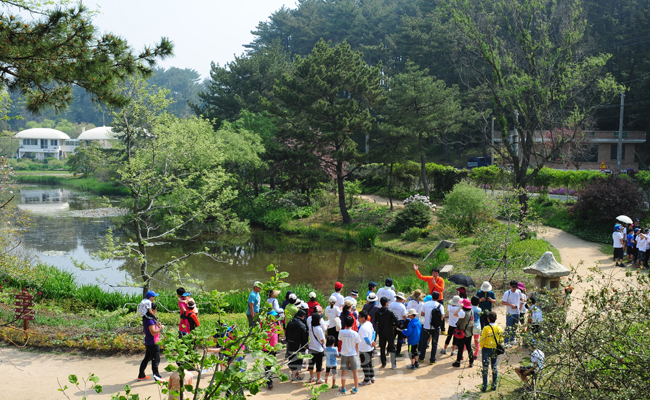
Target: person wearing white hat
column 371, row 308
column 452, row 310
column 486, row 298
column 398, row 308
column 332, row 313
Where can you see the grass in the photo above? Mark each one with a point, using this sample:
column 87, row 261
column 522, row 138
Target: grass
column 83, row 184
column 62, row 173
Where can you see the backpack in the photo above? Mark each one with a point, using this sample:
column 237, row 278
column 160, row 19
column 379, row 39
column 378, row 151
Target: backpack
column 436, row 318
column 185, row 316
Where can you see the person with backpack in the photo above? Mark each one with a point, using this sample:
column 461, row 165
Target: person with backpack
column 491, row 339
column 386, row 323
column 434, row 317
column 464, row 333
column 297, row 337
column 189, row 319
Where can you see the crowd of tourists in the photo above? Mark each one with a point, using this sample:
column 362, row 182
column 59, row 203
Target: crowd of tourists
column 348, row 333
column 631, row 243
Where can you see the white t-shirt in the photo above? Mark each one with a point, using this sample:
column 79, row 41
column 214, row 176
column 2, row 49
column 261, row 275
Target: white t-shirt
column 453, row 320
column 349, row 339
column 331, row 313
column 386, row 292
column 536, row 316
column 323, row 323
column 427, row 308
column 398, row 309
column 143, row 307
column 642, row 243
column 366, row 331
column 417, row 306
column 522, row 306
column 316, row 334
column 353, row 300
column 514, row 298
column 537, row 358
column 617, row 237
column 339, row 299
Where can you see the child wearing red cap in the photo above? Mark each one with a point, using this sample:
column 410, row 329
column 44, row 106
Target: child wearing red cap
column 338, row 286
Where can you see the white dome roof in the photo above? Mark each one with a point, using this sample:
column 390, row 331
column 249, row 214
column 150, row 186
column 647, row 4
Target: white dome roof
column 99, row 133
column 41, row 133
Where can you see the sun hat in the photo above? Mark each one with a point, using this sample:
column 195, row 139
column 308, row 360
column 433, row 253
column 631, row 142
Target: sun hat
column 293, row 299
column 303, row 305
column 411, row 311
column 257, row 284
column 461, row 290
column 389, row 282
column 521, row 286
column 332, row 299
column 371, row 297
column 486, row 287
column 151, row 293
column 354, row 292
column 312, row 295
column 467, row 304
column 275, row 292
column 400, row 295
column 455, row 301
column 338, row 285
column 349, row 303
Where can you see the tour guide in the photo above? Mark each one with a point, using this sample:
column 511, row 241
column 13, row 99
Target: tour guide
column 253, row 303
column 435, row 282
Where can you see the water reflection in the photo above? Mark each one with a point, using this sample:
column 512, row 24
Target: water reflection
column 56, row 237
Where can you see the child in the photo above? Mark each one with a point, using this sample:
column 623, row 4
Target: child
column 536, row 317
column 412, row 334
column 331, row 352
column 349, row 342
column 145, row 305
column 189, row 319
column 477, row 323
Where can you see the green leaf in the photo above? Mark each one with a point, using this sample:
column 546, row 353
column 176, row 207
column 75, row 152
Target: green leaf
column 270, row 268
column 73, row 379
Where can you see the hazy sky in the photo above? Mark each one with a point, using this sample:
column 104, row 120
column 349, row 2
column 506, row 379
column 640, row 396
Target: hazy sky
column 201, row 30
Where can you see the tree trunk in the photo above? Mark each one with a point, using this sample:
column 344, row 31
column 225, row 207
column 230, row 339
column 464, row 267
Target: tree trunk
column 446, row 143
column 272, row 179
column 390, row 186
column 255, row 185
column 143, row 251
column 484, row 144
column 342, row 259
column 339, row 181
column 423, row 167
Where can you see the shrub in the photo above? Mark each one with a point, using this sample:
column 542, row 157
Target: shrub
column 466, row 207
column 366, row 236
column 419, row 198
column 604, row 199
column 439, row 259
column 412, row 235
column 274, row 219
column 415, row 215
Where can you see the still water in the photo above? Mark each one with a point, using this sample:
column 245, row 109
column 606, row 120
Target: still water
column 66, row 226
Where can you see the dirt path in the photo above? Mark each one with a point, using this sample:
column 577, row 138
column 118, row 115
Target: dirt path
column 382, row 200
column 35, row 374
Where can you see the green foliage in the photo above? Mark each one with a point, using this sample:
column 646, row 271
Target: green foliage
column 412, row 234
column 440, row 258
column 549, row 177
column 466, row 207
column 275, row 219
column 353, row 189
column 491, row 175
column 365, row 237
column 83, row 184
column 415, row 215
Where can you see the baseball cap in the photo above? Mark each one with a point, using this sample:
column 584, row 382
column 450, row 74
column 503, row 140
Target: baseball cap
column 354, row 292
column 151, row 293
column 338, row 285
column 258, row 284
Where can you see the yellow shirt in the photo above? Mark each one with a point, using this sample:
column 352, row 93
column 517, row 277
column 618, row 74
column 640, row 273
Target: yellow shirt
column 487, row 338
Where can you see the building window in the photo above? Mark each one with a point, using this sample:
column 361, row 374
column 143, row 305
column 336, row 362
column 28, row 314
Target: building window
column 54, row 142
column 30, row 142
column 614, row 152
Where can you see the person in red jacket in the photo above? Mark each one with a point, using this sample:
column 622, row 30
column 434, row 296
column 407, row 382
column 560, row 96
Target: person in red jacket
column 189, row 319
column 312, row 303
column 435, row 282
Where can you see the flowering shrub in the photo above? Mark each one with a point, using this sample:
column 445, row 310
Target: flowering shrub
column 420, row 199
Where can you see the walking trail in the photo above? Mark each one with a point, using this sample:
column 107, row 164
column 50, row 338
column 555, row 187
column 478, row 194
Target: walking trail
column 34, row 375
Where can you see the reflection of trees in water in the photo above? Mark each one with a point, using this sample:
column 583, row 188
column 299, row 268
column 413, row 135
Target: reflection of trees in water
column 66, row 233
column 318, row 263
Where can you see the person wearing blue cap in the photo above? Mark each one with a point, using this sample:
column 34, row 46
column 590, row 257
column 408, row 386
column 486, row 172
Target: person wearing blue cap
column 145, row 304
column 631, row 245
column 619, row 243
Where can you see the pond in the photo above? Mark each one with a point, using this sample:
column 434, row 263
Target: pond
column 67, row 226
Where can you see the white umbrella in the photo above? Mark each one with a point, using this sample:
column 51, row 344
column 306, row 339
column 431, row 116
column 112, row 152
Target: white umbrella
column 624, row 219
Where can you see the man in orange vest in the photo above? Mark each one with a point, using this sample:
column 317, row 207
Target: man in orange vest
column 435, row 282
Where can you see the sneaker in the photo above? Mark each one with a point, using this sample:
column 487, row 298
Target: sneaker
column 410, row 367
column 417, row 364
column 342, row 390
column 354, row 391
column 365, row 383
column 334, row 387
column 296, row 378
column 433, row 362
column 320, row 382
column 394, row 366
column 483, row 389
column 157, row 378
column 453, row 353
column 443, row 351
column 145, row 378
column 456, row 364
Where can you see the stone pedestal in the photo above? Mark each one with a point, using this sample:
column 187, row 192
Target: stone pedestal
column 547, row 271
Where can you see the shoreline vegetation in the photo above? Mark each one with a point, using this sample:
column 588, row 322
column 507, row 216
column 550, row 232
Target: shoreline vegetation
column 84, row 184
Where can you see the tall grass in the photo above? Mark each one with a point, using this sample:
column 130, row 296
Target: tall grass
column 83, row 184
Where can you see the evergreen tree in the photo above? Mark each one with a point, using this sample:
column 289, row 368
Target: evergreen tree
column 326, row 102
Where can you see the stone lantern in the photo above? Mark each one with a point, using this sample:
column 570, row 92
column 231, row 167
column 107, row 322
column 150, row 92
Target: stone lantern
column 547, row 271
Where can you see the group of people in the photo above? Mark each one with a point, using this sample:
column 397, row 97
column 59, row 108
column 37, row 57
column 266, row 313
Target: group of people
column 632, row 241
column 348, row 336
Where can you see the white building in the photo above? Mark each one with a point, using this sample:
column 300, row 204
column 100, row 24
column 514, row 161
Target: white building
column 103, row 135
column 41, row 143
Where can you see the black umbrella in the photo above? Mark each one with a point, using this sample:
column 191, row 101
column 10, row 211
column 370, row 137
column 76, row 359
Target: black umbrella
column 462, row 280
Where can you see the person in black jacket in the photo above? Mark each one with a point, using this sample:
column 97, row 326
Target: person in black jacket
column 386, row 323
column 297, row 337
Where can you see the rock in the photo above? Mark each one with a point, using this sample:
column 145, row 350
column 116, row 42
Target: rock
column 446, row 271
column 547, row 267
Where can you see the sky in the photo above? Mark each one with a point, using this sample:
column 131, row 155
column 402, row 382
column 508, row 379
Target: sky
column 202, row 30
